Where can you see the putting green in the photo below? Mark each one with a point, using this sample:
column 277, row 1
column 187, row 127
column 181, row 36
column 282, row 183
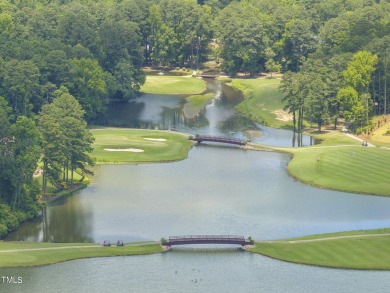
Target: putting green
column 124, row 145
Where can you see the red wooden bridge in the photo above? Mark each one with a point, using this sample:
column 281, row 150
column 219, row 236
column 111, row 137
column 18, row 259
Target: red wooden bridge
column 207, row 239
column 221, row 139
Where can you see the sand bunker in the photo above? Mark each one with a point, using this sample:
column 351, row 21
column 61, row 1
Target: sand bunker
column 125, row 150
column 155, row 139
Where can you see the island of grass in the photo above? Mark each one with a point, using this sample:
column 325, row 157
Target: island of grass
column 367, row 250
column 126, row 146
column 25, row 254
column 195, row 104
column 173, row 85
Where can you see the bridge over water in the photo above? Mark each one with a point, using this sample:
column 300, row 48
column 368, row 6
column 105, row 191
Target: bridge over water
column 221, row 139
column 207, row 239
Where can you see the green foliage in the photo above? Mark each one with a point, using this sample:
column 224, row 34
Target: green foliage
column 66, row 139
column 8, row 221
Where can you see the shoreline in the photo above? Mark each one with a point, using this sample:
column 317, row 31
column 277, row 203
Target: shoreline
column 339, row 250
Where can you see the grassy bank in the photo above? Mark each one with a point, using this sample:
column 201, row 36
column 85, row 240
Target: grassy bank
column 173, row 85
column 346, row 168
column 263, row 101
column 22, row 254
column 353, row 250
column 124, row 145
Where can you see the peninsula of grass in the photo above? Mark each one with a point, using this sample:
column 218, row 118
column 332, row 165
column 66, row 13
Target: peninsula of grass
column 262, row 101
column 25, row 254
column 125, row 146
column 345, row 168
column 368, row 250
column 173, row 85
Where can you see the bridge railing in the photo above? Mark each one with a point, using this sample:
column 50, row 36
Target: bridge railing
column 206, row 238
column 217, row 138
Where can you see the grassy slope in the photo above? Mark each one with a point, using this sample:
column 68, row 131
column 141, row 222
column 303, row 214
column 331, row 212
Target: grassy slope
column 175, row 146
column 174, row 85
column 378, row 138
column 262, row 97
column 47, row 255
column 359, row 252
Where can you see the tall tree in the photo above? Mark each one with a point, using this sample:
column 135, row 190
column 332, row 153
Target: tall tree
column 20, row 84
column 66, row 139
column 27, row 151
column 89, row 86
column 357, row 77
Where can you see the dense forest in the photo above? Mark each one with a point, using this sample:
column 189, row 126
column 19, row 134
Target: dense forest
column 63, row 61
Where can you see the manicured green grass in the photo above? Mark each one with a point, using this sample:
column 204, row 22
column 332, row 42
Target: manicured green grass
column 346, row 168
column 262, row 99
column 157, row 146
column 173, row 85
column 21, row 254
column 355, row 251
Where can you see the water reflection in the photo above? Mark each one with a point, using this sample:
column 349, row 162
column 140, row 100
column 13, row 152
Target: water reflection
column 219, row 117
column 64, row 220
column 217, row 190
column 192, row 272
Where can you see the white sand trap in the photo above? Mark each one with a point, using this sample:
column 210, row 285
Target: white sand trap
column 125, row 150
column 155, row 139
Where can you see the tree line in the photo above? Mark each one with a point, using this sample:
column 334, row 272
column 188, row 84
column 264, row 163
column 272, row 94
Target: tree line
column 58, row 137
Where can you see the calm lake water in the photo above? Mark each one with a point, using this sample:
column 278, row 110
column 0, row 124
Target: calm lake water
column 217, row 190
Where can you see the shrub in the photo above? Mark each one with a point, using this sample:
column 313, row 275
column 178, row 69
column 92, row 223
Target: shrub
column 3, row 230
column 12, row 222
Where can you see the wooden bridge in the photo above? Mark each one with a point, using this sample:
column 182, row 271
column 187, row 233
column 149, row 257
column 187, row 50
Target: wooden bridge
column 207, row 239
column 209, row 75
column 221, row 139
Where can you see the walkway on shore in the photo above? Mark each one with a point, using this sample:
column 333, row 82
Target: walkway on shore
column 359, row 139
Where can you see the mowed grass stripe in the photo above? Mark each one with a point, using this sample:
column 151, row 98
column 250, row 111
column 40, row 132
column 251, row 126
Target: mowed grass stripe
column 360, row 252
column 355, row 169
